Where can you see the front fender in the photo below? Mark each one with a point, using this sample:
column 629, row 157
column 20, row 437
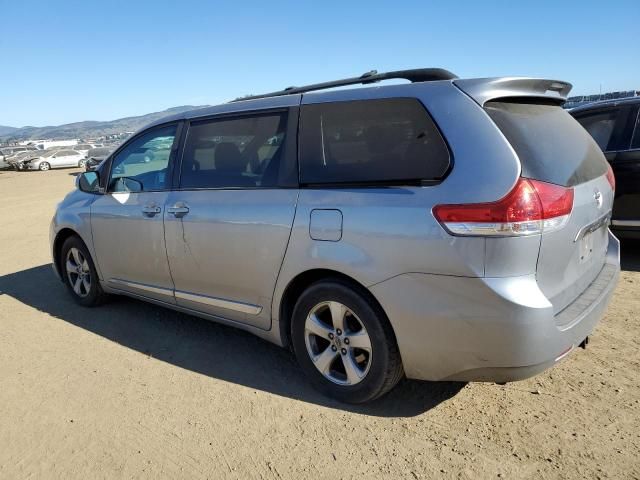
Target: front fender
column 73, row 215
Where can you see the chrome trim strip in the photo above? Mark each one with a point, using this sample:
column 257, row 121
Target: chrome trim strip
column 219, row 302
column 626, row 223
column 141, row 286
column 593, row 226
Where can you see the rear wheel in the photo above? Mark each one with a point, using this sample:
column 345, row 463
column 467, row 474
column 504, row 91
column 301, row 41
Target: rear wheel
column 344, row 342
column 80, row 274
column 82, row 163
column 44, row 166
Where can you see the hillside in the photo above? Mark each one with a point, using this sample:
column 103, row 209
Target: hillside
column 88, row 128
column 4, row 130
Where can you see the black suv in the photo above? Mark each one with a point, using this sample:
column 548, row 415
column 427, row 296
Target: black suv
column 615, row 126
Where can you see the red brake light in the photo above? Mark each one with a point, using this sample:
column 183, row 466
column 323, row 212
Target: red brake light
column 610, row 177
column 528, row 208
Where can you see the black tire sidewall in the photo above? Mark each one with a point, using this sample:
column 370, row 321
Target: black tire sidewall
column 95, row 293
column 370, row 315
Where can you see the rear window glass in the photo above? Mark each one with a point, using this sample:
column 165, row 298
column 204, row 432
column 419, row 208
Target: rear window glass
column 370, row 141
column 551, row 145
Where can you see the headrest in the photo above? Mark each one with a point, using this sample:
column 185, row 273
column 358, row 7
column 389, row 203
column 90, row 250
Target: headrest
column 229, row 158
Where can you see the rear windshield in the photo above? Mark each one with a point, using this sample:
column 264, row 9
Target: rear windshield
column 551, row 145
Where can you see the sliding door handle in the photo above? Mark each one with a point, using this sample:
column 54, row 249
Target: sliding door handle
column 151, row 210
column 178, row 210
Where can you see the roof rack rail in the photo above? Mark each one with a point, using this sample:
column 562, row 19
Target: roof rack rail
column 415, row 75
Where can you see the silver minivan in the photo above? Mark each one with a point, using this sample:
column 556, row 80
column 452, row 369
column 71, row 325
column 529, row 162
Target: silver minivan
column 440, row 229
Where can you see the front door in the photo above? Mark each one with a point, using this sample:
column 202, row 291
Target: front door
column 127, row 221
column 227, row 224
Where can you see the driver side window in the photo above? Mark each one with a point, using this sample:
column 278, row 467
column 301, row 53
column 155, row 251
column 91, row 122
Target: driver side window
column 143, row 164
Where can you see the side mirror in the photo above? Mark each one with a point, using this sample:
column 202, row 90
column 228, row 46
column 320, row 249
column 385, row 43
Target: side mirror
column 89, row 182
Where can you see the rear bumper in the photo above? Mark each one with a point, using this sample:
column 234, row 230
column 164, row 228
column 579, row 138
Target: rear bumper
column 488, row 329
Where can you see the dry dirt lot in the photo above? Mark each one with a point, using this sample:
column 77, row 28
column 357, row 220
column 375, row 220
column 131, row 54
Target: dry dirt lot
column 131, row 390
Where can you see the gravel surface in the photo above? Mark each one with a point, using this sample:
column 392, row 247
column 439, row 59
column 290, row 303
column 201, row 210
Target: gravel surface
column 131, row 390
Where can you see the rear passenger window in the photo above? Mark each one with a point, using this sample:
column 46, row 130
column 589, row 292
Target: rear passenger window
column 392, row 141
column 234, row 152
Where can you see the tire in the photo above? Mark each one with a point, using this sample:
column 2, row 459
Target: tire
column 82, row 164
column 372, row 373
column 44, row 166
column 75, row 251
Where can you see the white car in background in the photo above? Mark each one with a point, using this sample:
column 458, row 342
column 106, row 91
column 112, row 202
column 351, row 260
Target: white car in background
column 53, row 159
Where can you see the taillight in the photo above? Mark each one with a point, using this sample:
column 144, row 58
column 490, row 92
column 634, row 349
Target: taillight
column 531, row 207
column 610, row 177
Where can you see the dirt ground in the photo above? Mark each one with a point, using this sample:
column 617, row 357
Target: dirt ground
column 131, row 390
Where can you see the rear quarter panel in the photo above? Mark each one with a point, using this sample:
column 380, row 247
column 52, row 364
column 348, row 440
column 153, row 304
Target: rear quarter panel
column 391, row 231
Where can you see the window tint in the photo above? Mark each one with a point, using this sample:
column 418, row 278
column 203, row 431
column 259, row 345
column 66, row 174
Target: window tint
column 600, row 126
column 370, row 141
column 143, row 163
column 234, row 152
column 551, row 145
column 611, row 128
column 635, row 143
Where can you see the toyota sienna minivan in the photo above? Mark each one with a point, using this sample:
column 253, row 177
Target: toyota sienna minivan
column 440, row 229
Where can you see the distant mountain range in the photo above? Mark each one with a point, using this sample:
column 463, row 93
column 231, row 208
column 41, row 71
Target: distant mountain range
column 4, row 130
column 88, row 129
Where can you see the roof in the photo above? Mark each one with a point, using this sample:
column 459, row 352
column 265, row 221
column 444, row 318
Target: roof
column 605, row 103
column 480, row 89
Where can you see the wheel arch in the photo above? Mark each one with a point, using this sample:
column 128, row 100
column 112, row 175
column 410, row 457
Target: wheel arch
column 300, row 283
column 58, row 242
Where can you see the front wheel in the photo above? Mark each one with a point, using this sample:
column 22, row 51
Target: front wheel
column 344, row 342
column 44, row 166
column 80, row 274
column 82, row 163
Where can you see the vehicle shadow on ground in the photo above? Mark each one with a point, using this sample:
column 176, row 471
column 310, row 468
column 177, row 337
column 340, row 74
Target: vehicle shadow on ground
column 630, row 255
column 206, row 347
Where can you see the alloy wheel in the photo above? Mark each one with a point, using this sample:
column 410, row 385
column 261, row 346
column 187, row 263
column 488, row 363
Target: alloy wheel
column 78, row 272
column 338, row 343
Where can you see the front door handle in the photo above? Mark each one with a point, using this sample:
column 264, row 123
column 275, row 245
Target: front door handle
column 151, row 210
column 179, row 210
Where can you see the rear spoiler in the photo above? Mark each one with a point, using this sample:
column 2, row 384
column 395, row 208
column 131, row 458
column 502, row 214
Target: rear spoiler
column 483, row 90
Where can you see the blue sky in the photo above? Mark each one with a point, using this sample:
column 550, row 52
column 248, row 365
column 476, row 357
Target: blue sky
column 65, row 61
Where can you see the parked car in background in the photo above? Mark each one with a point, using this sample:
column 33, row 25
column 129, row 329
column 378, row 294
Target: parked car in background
column 20, row 156
column 615, row 126
column 7, row 152
column 52, row 159
column 443, row 229
column 95, row 157
column 83, row 148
